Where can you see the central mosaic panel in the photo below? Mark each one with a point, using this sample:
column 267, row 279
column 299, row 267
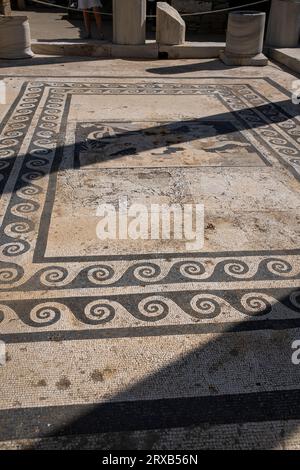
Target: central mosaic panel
column 155, row 145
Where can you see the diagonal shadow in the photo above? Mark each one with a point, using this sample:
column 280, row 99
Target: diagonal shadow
column 242, row 375
column 210, row 64
column 178, row 129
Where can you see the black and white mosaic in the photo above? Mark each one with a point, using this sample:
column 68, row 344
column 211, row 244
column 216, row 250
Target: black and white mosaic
column 160, row 286
column 101, row 340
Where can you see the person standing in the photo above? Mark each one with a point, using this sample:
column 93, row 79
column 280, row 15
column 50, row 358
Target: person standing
column 85, row 6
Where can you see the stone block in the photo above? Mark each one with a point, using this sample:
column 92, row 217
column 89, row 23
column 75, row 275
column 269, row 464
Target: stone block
column 244, row 39
column 193, row 50
column 170, row 27
column 47, row 47
column 129, row 22
column 284, row 23
column 15, row 40
column 5, row 8
column 95, row 49
column 190, row 6
column 258, row 59
column 145, row 51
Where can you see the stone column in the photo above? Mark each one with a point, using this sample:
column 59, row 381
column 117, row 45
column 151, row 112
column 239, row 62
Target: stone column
column 284, row 24
column 5, row 7
column 129, row 21
column 244, row 39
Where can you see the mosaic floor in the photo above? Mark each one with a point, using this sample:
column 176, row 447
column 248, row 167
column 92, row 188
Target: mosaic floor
column 134, row 344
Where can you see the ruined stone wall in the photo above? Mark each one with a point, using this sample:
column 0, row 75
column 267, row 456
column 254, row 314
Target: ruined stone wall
column 213, row 23
column 5, row 7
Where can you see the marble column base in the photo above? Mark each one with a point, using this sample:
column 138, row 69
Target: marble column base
column 245, row 33
column 256, row 60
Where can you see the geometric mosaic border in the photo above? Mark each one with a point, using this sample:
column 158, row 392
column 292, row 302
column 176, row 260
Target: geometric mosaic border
column 276, row 133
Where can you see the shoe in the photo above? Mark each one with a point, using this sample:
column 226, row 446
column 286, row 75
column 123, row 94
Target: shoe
column 100, row 36
column 86, row 36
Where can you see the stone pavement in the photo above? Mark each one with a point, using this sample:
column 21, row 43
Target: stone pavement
column 126, row 345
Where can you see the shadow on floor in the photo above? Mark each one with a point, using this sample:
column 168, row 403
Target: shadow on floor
column 272, row 113
column 228, row 380
column 209, row 64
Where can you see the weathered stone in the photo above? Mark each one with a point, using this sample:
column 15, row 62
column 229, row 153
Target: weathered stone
column 284, row 23
column 95, row 49
column 192, row 50
column 150, row 50
column 244, row 39
column 72, row 48
column 144, row 51
column 5, row 8
column 129, row 17
column 15, row 40
column 170, row 28
column 290, row 57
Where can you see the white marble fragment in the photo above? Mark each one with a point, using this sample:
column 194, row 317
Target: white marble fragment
column 170, row 27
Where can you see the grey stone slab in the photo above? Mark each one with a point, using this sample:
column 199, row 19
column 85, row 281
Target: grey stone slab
column 145, row 51
column 72, row 48
column 96, row 49
column 170, row 27
column 286, row 56
column 150, row 50
column 45, row 48
column 193, row 50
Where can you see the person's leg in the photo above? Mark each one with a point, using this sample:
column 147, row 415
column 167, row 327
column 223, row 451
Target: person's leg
column 87, row 22
column 98, row 19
